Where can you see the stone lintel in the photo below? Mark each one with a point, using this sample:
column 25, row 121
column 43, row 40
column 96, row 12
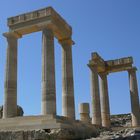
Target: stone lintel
column 118, row 68
column 110, row 66
column 119, row 62
column 117, row 65
column 39, row 19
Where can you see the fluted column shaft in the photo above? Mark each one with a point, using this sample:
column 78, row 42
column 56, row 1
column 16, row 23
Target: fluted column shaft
column 96, row 108
column 48, row 103
column 105, row 109
column 68, row 103
column 134, row 97
column 10, row 96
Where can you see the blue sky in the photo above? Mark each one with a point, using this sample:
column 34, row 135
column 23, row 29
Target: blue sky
column 109, row 27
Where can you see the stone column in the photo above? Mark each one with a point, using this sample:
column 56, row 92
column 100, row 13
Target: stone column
column 134, row 97
column 68, row 103
column 84, row 112
column 96, row 108
column 48, row 104
column 105, row 109
column 10, row 95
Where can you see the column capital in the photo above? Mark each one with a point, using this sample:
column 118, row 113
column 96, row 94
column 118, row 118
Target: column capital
column 133, row 69
column 48, row 30
column 66, row 41
column 14, row 34
column 48, row 33
column 92, row 67
column 103, row 73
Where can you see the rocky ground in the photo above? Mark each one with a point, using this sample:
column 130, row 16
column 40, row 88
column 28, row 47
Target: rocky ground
column 120, row 130
column 122, row 134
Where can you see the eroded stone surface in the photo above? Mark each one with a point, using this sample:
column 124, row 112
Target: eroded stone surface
column 46, row 134
column 120, row 129
column 123, row 134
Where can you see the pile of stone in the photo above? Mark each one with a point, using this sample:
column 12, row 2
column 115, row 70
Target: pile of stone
column 123, row 134
column 120, row 129
column 121, row 120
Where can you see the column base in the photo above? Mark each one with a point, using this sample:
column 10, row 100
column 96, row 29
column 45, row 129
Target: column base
column 106, row 120
column 135, row 120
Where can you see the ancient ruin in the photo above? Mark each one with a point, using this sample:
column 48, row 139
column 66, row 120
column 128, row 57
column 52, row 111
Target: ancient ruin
column 100, row 103
column 48, row 125
column 52, row 25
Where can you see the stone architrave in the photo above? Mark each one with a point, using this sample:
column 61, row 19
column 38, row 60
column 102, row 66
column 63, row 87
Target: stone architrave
column 134, row 97
column 68, row 103
column 10, row 96
column 96, row 108
column 105, row 109
column 48, row 103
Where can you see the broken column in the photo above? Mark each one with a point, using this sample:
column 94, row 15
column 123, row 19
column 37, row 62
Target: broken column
column 68, row 103
column 134, row 97
column 96, row 108
column 84, row 112
column 48, row 104
column 105, row 109
column 10, row 95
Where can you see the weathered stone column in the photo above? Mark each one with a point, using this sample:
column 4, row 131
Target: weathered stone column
column 134, row 97
column 105, row 109
column 68, row 103
column 84, row 112
column 48, row 104
column 10, row 95
column 96, row 108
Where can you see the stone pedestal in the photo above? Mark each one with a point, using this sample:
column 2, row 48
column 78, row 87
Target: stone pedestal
column 51, row 128
column 134, row 97
column 48, row 104
column 96, row 109
column 10, row 96
column 84, row 112
column 68, row 104
column 105, row 109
